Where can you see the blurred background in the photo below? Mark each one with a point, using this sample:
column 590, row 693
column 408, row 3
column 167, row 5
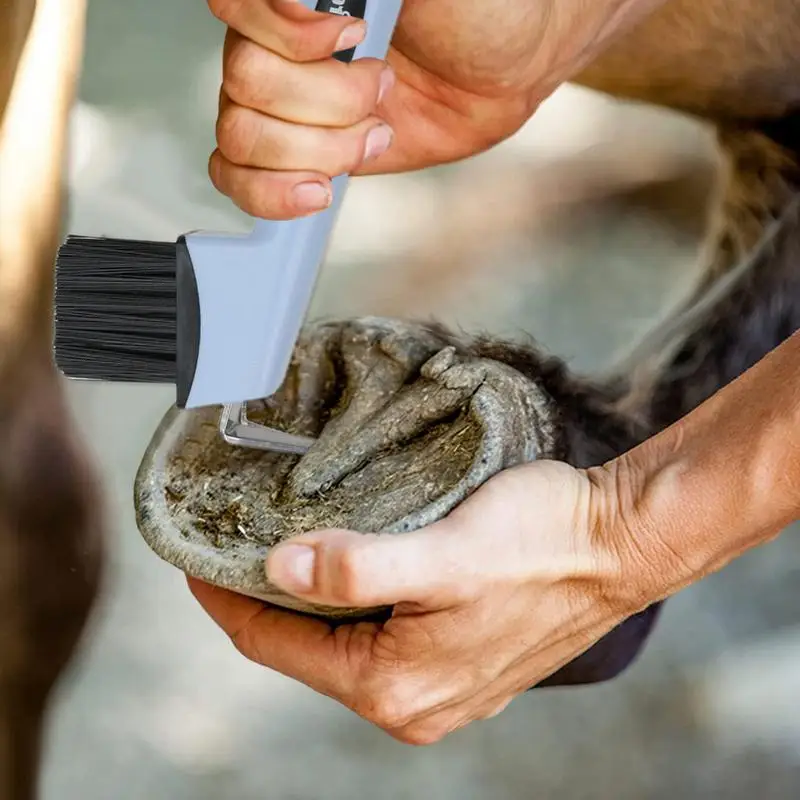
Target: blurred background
column 582, row 230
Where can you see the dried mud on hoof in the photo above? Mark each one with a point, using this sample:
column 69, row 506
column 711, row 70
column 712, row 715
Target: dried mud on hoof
column 407, row 425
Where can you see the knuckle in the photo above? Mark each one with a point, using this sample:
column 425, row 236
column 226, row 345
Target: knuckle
column 264, row 199
column 351, row 575
column 225, row 10
column 420, row 735
column 305, row 44
column 389, row 708
column 357, row 93
column 235, row 134
column 246, row 644
column 240, row 71
column 387, row 716
column 358, row 103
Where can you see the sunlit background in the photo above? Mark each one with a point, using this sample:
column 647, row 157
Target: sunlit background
column 582, row 230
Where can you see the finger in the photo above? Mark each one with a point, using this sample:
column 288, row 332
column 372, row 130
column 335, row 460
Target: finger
column 441, row 721
column 299, row 647
column 289, row 28
column 456, row 699
column 431, row 567
column 229, row 610
column 493, row 709
column 250, row 139
column 270, row 194
column 433, row 727
column 323, row 93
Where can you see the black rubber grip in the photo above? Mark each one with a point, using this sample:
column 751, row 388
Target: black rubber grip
column 187, row 341
column 344, row 8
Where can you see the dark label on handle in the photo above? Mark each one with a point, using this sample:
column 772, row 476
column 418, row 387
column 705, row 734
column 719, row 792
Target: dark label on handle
column 344, row 8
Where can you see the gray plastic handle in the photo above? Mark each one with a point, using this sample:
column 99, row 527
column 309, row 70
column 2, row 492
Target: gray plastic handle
column 254, row 291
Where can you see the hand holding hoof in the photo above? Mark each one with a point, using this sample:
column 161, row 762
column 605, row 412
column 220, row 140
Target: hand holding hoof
column 408, row 424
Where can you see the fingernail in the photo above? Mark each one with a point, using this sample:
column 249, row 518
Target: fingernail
column 351, row 36
column 292, row 567
column 311, row 196
column 386, row 82
column 378, row 141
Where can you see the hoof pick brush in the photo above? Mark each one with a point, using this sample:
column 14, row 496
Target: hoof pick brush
column 217, row 315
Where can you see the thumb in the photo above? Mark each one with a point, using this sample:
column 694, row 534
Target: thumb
column 432, row 567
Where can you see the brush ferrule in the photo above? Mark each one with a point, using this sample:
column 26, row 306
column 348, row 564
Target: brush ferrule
column 188, row 323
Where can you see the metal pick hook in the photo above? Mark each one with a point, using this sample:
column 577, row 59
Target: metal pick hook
column 239, row 431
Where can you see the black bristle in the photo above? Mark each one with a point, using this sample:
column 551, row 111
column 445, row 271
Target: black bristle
column 116, row 310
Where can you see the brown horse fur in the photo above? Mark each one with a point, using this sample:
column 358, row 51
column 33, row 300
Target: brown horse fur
column 49, row 510
column 736, row 64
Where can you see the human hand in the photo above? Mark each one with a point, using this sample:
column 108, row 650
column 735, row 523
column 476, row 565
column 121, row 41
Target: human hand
column 459, row 79
column 519, row 580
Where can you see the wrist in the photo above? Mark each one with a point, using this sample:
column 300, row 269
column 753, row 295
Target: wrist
column 623, row 525
column 724, row 479
column 647, row 519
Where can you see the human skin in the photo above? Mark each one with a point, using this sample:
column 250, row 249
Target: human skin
column 544, row 559
column 452, row 87
column 535, row 567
